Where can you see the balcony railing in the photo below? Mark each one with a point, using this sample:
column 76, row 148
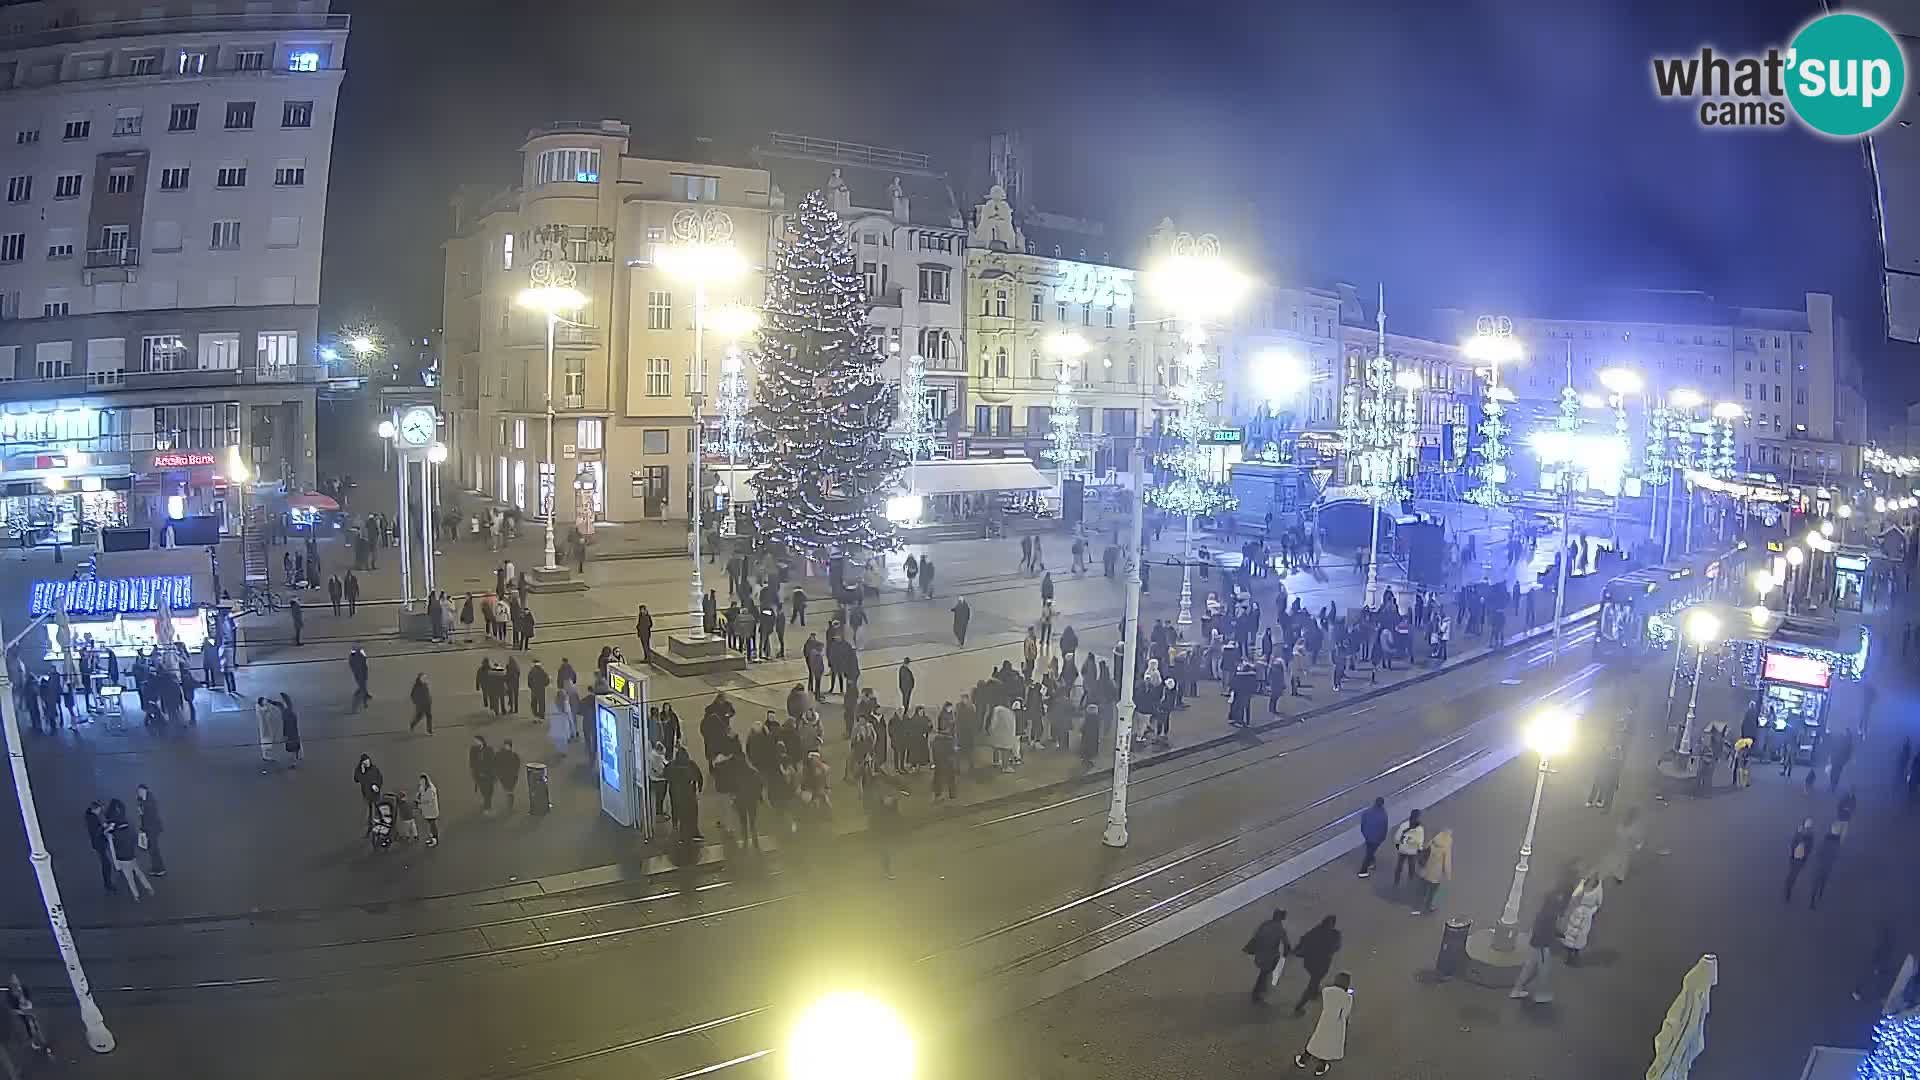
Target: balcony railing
column 564, row 337
column 573, row 401
column 28, row 388
column 111, row 258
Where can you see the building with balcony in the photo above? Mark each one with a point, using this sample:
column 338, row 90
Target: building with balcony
column 160, row 249
column 588, row 213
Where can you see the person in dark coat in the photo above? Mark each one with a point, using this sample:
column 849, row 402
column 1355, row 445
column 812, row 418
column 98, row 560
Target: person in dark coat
column 1536, row 974
column 816, row 657
column 351, row 590
column 299, row 618
column 290, row 729
column 102, row 847
column 1316, row 949
column 334, row 592
column 1268, row 946
column 962, row 615
column 480, row 767
column 357, row 666
column 370, row 780
column 1824, row 857
column 537, row 683
column 684, row 784
column 1373, row 830
column 906, row 684
column 422, row 698
column 513, row 685
column 643, row 629
column 152, row 826
column 506, row 769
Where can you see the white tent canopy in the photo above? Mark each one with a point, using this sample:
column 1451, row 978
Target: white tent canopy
column 972, row 476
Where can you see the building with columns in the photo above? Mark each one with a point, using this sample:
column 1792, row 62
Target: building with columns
column 160, row 244
column 624, row 374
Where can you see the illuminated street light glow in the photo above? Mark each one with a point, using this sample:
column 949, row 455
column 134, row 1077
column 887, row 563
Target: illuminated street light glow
column 1198, row 286
column 385, row 430
column 1845, row 512
column 330, row 354
column 551, row 299
column 1492, row 349
column 1622, row 381
column 1066, row 345
column 1729, row 410
column 1795, row 556
column 1550, row 734
column 1703, row 626
column 362, row 344
column 1759, row 614
column 437, row 453
column 1826, row 528
column 1686, row 398
column 1763, row 581
column 55, row 483
column 1280, row 376
column 1409, row 381
column 850, row 1036
column 733, row 321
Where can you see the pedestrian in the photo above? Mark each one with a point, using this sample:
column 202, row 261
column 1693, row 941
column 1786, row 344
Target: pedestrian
column 1269, row 947
column 882, row 801
column 642, row 629
column 1316, row 949
column 1799, row 850
column 1373, row 832
column 466, row 617
column 906, row 684
column 351, row 590
column 1046, row 591
column 422, row 697
column 1436, row 869
column 962, row 615
column 126, row 849
column 1606, row 778
column 20, row 1004
column 1839, row 752
column 1408, row 841
column 357, row 666
column 334, row 593
column 1581, row 909
column 684, row 783
column 1628, row 837
column 926, row 576
column 1882, row 963
column 151, row 827
column 512, row 684
column 480, row 766
column 370, row 780
column 102, row 846
column 299, row 617
column 506, row 769
column 943, row 750
column 797, row 607
column 1328, row 1043
column 1823, row 860
column 290, row 729
column 537, row 683
column 426, row 802
column 815, row 655
column 1536, row 974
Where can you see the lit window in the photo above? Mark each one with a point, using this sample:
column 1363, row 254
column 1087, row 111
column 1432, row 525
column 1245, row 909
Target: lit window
column 659, row 310
column 303, row 60
column 578, row 166
column 519, row 433
column 688, row 187
column 506, row 251
column 192, row 63
column 589, row 434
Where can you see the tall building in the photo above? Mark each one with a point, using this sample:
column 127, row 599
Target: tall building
column 1446, row 401
column 588, row 213
column 160, row 250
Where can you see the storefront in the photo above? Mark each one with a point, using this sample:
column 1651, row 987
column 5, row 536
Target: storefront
column 173, row 484
column 124, row 613
column 971, row 489
column 1794, row 666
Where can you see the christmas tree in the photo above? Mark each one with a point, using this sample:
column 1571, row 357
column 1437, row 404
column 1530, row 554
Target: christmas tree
column 1191, row 489
column 821, row 416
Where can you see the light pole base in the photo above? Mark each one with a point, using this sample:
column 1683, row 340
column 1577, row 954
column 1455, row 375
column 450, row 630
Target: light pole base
column 99, row 1039
column 543, row 579
column 1494, row 947
column 1116, row 834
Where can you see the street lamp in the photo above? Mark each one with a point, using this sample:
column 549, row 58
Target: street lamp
column 1685, row 400
column 850, row 1036
column 1279, row 376
column 1846, row 514
column 701, row 260
column 237, row 477
column 1116, row 831
column 551, row 300
column 1794, row 558
column 1702, row 628
column 1549, row 735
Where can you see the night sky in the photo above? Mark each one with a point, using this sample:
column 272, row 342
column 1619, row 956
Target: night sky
column 1497, row 156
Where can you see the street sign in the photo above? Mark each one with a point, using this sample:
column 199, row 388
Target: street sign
column 1223, row 436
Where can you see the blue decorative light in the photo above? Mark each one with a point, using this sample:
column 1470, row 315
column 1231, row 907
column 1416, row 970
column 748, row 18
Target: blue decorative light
column 112, row 596
column 1896, row 1049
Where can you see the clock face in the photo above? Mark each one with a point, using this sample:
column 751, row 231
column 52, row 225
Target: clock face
column 417, row 426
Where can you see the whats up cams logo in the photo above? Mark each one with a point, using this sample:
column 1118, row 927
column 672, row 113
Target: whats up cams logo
column 1843, row 76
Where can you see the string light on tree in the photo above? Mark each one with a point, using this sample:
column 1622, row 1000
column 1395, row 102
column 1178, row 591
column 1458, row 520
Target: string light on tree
column 916, row 415
column 823, row 417
column 1066, row 445
column 1492, row 344
column 1896, row 1049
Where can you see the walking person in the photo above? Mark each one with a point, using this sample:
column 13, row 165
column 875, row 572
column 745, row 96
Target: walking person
column 1373, row 832
column 369, row 779
column 1824, row 857
column 1536, row 974
column 1799, row 851
column 426, row 801
column 1328, row 1043
column 1587, row 898
column 643, row 629
column 1269, row 946
column 299, row 617
column 962, row 614
column 506, row 769
column 512, row 684
column 537, row 683
column 126, row 849
column 151, row 826
column 422, row 698
column 102, row 846
column 1407, row 843
column 480, row 766
column 1436, row 869
column 1316, row 949
column 684, row 783
column 357, row 666
column 906, row 684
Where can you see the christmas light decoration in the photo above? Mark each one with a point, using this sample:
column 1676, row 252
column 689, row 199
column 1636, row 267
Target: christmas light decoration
column 916, row 438
column 1896, row 1049
column 1191, row 491
column 1066, row 446
column 820, row 425
column 730, row 438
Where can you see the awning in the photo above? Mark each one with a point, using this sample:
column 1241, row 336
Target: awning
column 973, row 476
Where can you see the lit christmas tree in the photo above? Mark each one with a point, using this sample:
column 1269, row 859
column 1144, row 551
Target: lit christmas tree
column 1191, row 491
column 916, row 437
column 1066, row 446
column 821, row 425
column 1492, row 468
column 730, row 438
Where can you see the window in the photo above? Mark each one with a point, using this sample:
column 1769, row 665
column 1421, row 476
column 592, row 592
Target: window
column 128, row 122
column 655, row 441
column 277, row 352
column 296, row 114
column 19, row 189
column 936, row 242
column 1776, row 394
column 1060, row 311
column 1109, row 315
column 9, row 305
column 1086, row 314
column 870, row 278
column 55, row 308
column 294, row 174
column 572, row 166
column 115, row 237
column 183, row 118
column 934, row 283
column 574, row 384
column 1777, row 369
column 519, row 433
column 659, row 377
column 119, row 181
column 26, row 136
column 161, row 353
column 589, row 434
column 250, row 60
column 231, row 176
column 66, row 186
column 1034, row 314
column 174, row 179
column 303, row 60
column 13, row 246
column 506, row 251
column 219, row 352
column 1033, row 363
column 239, row 115
column 53, row 360
column 192, row 62
column 1748, row 387
column 1000, row 364
column 59, row 243
column 688, row 187
column 659, row 310
column 983, row 419
column 1000, row 303
column 78, row 129
column 1800, row 396
column 226, row 236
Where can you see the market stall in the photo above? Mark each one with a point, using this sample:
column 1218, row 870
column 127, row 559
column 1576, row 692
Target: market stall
column 1794, row 664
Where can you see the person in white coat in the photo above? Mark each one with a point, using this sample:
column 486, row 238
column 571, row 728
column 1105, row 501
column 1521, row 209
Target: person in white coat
column 1587, row 898
column 1002, row 736
column 426, row 800
column 1328, row 1043
column 267, row 719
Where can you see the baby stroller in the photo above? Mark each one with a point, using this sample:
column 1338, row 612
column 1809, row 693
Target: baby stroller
column 380, row 825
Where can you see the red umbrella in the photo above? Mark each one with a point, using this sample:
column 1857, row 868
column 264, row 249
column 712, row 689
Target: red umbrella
column 312, row 500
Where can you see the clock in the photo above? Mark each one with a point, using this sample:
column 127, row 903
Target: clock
column 417, row 427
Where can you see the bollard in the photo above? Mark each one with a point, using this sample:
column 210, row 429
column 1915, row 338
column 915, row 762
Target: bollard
column 1453, row 947
column 539, row 797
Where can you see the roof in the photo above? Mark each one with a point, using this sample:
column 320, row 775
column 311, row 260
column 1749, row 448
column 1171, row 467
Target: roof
column 930, row 199
column 1784, row 319
column 955, row 477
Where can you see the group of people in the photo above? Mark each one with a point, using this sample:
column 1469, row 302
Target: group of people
column 1272, row 948
column 118, row 839
column 394, row 814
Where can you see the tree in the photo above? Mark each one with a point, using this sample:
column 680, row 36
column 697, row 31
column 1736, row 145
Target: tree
column 821, row 417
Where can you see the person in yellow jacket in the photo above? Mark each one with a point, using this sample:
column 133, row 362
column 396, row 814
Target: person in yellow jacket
column 1436, row 871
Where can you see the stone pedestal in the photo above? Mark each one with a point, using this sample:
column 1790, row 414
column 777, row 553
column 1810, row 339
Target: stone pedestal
column 415, row 624
column 690, row 654
column 559, row 579
column 1486, row 947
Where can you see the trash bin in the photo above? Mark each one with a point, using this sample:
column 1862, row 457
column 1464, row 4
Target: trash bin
column 1453, row 947
column 539, row 797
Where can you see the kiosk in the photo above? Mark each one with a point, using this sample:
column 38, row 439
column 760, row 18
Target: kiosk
column 1794, row 668
column 621, row 736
